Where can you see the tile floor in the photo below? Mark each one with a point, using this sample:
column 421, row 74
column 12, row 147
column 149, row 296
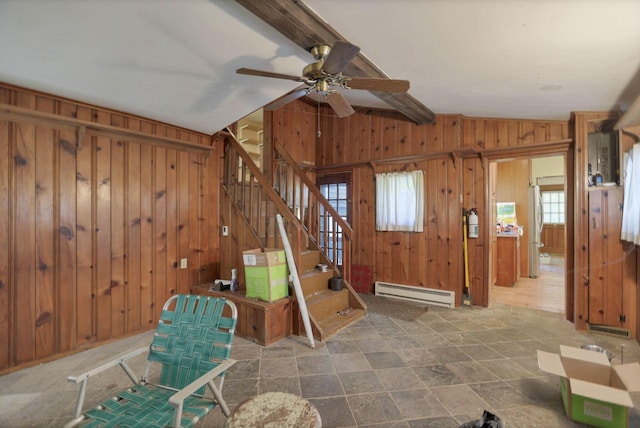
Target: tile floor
column 440, row 370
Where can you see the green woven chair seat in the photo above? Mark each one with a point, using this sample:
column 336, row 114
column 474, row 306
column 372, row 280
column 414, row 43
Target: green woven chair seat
column 146, row 406
column 193, row 338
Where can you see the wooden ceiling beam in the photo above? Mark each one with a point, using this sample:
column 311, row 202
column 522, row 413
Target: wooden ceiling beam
column 296, row 21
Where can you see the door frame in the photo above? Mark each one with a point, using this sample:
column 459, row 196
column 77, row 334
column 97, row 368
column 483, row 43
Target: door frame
column 567, row 150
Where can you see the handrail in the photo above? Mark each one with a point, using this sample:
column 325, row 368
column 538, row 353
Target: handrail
column 346, row 227
column 232, row 177
column 328, row 231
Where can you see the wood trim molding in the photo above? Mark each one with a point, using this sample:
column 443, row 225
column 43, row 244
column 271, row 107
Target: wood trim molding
column 81, row 127
column 300, row 24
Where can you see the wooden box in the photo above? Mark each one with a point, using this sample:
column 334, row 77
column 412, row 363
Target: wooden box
column 261, row 322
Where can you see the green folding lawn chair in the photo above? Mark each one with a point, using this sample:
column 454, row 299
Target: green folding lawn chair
column 192, row 343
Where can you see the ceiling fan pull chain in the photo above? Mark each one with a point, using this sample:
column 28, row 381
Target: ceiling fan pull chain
column 319, row 132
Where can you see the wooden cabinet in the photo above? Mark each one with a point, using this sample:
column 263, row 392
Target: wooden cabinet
column 261, row 322
column 612, row 265
column 552, row 236
column 508, row 251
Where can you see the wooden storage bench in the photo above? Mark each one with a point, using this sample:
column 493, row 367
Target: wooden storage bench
column 261, row 322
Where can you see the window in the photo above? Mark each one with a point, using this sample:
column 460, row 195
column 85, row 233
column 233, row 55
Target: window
column 337, row 190
column 400, row 201
column 553, row 206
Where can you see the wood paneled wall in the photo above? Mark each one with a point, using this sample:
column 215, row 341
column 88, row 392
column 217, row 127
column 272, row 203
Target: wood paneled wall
column 450, row 151
column 93, row 227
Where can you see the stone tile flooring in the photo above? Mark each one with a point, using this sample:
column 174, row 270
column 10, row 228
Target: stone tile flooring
column 440, row 370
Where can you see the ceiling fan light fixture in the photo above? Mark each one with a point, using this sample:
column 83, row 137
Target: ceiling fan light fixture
column 322, row 86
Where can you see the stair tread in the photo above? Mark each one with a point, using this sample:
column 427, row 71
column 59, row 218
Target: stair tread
column 321, row 296
column 316, row 272
column 330, row 325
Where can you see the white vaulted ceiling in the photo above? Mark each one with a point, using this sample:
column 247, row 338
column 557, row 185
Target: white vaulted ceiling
column 175, row 61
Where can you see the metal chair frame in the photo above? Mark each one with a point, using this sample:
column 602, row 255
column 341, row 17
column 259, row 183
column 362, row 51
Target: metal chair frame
column 192, row 343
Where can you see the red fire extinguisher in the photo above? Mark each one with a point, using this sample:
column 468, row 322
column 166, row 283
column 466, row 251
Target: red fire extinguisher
column 473, row 223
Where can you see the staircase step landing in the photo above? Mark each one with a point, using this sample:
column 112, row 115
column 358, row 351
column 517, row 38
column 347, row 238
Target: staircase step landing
column 333, row 323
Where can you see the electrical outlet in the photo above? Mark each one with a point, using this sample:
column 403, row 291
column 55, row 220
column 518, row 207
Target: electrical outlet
column 225, row 230
column 183, row 263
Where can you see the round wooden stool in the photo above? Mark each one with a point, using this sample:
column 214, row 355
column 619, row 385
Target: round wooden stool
column 274, row 409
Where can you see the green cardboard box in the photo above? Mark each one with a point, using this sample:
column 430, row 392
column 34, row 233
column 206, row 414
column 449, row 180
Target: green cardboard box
column 593, row 391
column 266, row 275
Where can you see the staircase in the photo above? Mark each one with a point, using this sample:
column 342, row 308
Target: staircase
column 318, row 235
column 329, row 310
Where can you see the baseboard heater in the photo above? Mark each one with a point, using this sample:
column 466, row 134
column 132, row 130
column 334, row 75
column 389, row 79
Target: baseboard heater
column 609, row 331
column 416, row 294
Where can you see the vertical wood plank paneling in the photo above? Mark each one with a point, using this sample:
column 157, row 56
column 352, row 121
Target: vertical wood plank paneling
column 172, row 261
column 433, row 217
column 102, row 241
column 183, row 215
column 615, row 256
column 597, row 257
column 455, row 275
column 67, row 233
column 6, row 307
column 25, row 244
column 206, row 222
column 441, row 256
column 389, row 135
column 134, row 234
column 514, row 133
column 195, row 203
column 479, row 136
column 160, row 230
column 369, row 222
column 118, row 237
column 477, row 272
column 6, row 301
column 357, row 136
column 79, row 231
column 340, row 151
column 404, row 138
column 527, row 133
column 204, row 261
column 46, row 221
column 86, row 185
column 502, row 134
column 490, row 134
column 147, row 238
column 433, row 137
column 418, row 141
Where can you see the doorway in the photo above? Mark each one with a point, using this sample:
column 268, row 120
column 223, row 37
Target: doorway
column 540, row 282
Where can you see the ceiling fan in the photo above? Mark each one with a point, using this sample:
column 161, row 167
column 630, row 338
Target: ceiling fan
column 325, row 76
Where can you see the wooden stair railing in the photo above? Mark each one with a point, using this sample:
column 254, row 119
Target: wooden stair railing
column 330, row 233
column 258, row 202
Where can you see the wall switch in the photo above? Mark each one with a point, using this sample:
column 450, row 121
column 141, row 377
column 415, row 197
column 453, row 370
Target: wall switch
column 225, row 230
column 183, row 263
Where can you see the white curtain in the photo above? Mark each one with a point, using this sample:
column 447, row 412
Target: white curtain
column 631, row 207
column 400, row 201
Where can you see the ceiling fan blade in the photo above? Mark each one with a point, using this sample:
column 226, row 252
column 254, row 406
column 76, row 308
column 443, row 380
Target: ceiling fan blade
column 252, row 72
column 339, row 104
column 286, row 99
column 339, row 57
column 377, row 84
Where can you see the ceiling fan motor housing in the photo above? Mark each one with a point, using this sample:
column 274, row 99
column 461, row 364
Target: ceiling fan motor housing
column 320, row 52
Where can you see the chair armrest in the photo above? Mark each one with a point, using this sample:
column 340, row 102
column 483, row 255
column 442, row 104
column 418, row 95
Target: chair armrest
column 177, row 398
column 118, row 360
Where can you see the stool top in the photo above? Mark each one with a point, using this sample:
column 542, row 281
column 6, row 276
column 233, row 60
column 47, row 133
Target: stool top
column 275, row 409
